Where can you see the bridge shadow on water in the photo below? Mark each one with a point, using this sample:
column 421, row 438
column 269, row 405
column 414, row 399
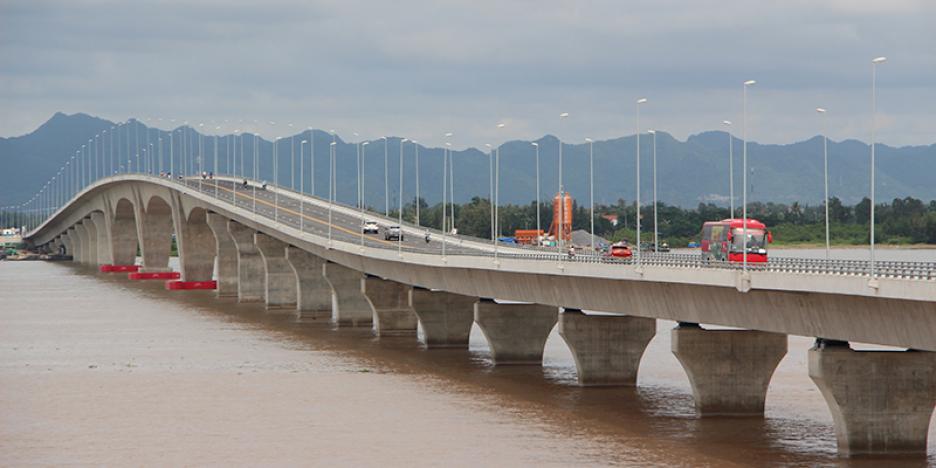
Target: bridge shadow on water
column 619, row 421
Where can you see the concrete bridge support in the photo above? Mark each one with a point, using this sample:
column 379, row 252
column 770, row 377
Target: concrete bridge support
column 517, row 333
column 607, row 348
column 195, row 243
column 225, row 256
column 349, row 306
column 251, row 276
column 74, row 238
column 280, row 283
column 390, row 303
column 445, row 318
column 104, row 255
column 91, row 241
column 154, row 230
column 881, row 401
column 729, row 369
column 67, row 242
column 313, row 294
column 123, row 235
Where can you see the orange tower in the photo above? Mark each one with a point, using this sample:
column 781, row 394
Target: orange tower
column 562, row 217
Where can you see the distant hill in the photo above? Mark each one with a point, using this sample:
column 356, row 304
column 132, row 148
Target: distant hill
column 689, row 172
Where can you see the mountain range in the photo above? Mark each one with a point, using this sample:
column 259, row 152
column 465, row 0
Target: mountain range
column 689, row 172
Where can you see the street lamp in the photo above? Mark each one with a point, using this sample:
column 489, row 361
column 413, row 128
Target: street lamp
column 874, row 64
column 331, row 185
column 302, row 185
column 591, row 189
column 444, row 187
column 416, row 149
column 400, row 199
column 496, row 205
column 276, row 179
column 386, row 179
column 490, row 148
column 744, row 188
column 656, row 229
column 361, row 185
column 637, row 183
column 727, row 123
column 538, row 230
column 825, row 178
column 561, row 225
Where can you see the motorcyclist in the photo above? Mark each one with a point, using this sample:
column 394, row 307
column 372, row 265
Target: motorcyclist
column 427, row 237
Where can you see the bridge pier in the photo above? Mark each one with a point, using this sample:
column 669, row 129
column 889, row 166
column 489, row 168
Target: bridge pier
column 90, row 258
column 123, row 235
column 349, row 306
column 75, row 237
column 607, row 348
column 445, row 317
column 280, row 283
column 881, row 401
column 67, row 242
column 225, row 256
column 313, row 294
column 195, row 243
column 154, row 231
column 104, row 255
column 390, row 303
column 729, row 369
column 517, row 333
column 251, row 279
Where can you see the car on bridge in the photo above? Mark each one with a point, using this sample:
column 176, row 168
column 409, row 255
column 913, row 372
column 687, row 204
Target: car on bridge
column 725, row 240
column 370, row 227
column 393, row 233
column 620, row 250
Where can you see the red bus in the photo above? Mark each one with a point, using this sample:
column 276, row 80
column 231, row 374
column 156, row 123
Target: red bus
column 723, row 240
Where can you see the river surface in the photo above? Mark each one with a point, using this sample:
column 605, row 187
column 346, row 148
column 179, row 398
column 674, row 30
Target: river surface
column 97, row 370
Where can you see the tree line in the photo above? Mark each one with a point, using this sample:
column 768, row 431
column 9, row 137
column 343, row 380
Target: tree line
column 901, row 221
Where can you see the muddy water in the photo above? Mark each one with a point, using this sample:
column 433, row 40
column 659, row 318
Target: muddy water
column 98, row 370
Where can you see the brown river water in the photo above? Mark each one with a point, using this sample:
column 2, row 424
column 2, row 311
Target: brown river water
column 98, row 370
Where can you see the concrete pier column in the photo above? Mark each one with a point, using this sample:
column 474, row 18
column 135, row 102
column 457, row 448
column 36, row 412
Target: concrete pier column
column 445, row 318
column 154, row 230
column 225, row 256
column 74, row 236
column 349, row 306
column 517, row 333
column 280, row 284
column 607, row 348
column 729, row 369
column 67, row 241
column 104, row 254
column 92, row 242
column 195, row 243
column 123, row 234
column 390, row 303
column 251, row 276
column 881, row 401
column 313, row 294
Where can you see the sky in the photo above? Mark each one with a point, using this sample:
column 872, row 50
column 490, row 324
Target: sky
column 420, row 69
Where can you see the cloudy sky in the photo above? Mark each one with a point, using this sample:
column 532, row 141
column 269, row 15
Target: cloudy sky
column 423, row 68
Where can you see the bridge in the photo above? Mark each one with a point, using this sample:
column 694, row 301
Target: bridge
column 306, row 255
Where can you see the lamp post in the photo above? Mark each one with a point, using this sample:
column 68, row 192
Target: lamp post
column 727, row 123
column 276, row 179
column 331, row 184
column 591, row 190
column 656, row 229
column 386, row 180
column 400, row 199
column 491, row 186
column 538, row 228
column 444, row 187
column 292, row 157
column 302, row 185
column 744, row 188
column 637, row 178
column 416, row 150
column 363, row 147
column 497, row 231
column 825, row 179
column 561, row 225
column 874, row 64
column 311, row 161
